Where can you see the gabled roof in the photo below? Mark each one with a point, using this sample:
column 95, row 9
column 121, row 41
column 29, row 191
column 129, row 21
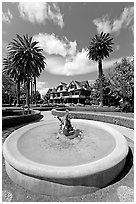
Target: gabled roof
column 91, row 82
column 53, row 90
column 62, row 84
column 78, row 85
column 82, row 84
column 49, row 91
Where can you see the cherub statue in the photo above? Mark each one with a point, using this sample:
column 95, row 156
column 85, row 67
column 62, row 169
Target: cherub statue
column 66, row 126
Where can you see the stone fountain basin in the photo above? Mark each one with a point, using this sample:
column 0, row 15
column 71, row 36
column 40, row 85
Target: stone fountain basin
column 34, row 159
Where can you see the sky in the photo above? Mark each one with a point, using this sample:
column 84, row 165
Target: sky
column 64, row 31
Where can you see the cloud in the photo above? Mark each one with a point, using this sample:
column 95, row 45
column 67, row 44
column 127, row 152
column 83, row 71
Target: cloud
column 117, row 47
column 132, row 28
column 39, row 12
column 42, row 87
column 63, row 58
column 80, row 64
column 57, row 16
column 51, row 44
column 34, row 12
column 4, row 49
column 7, row 16
column 104, row 24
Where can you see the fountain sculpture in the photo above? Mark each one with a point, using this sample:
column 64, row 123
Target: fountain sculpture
column 66, row 127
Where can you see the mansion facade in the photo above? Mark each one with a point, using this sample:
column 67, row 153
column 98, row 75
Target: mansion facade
column 75, row 92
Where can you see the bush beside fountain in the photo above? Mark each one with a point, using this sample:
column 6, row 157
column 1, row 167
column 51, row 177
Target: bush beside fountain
column 16, row 117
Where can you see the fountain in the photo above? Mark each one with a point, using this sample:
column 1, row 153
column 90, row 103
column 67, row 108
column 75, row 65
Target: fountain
column 66, row 127
column 78, row 158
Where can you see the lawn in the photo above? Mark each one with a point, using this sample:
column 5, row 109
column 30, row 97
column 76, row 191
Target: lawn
column 122, row 114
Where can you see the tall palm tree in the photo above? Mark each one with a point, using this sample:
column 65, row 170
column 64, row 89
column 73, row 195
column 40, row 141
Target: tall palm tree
column 99, row 48
column 27, row 58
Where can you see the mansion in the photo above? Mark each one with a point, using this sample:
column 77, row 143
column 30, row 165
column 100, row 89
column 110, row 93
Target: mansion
column 75, row 92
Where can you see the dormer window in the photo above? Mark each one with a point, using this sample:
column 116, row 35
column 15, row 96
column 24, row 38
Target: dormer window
column 72, row 86
column 61, row 88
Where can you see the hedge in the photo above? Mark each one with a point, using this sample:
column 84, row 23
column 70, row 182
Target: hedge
column 48, row 108
column 10, row 112
column 10, row 121
column 43, row 108
column 122, row 121
column 95, row 108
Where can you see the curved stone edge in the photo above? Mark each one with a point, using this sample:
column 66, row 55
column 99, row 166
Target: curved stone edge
column 122, row 121
column 21, row 119
column 18, row 161
column 65, row 187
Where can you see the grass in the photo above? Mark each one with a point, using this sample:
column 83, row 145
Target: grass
column 122, row 114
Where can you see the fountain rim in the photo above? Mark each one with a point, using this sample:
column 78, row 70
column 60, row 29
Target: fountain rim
column 26, row 166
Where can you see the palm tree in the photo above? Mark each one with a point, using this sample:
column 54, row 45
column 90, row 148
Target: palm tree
column 27, row 58
column 99, row 48
column 35, row 89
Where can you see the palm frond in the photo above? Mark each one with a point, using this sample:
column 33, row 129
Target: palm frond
column 100, row 46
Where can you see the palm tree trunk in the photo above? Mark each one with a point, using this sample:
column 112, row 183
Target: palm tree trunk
column 18, row 92
column 31, row 92
column 101, row 84
column 27, row 92
column 35, row 89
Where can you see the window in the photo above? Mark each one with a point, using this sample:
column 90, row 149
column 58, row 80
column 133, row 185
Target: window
column 61, row 88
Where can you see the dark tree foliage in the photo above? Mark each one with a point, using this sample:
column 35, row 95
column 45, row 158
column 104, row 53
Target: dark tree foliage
column 8, row 89
column 122, row 83
column 108, row 100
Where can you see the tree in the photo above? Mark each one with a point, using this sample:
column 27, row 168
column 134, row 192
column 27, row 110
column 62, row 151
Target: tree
column 14, row 73
column 95, row 95
column 99, row 48
column 122, row 82
column 46, row 97
column 8, row 89
column 27, row 59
